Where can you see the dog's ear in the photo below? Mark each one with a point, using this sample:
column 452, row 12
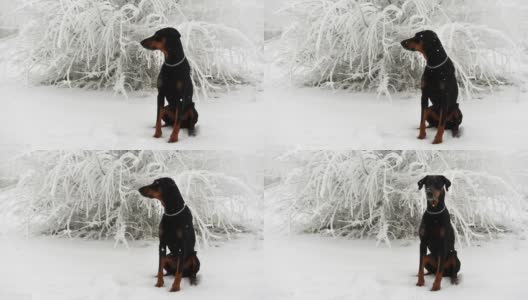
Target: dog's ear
column 433, row 35
column 447, row 183
column 165, row 185
column 172, row 40
column 431, row 41
column 421, row 182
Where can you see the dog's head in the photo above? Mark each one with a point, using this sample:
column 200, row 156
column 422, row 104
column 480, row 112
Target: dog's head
column 423, row 42
column 163, row 189
column 434, row 189
column 167, row 40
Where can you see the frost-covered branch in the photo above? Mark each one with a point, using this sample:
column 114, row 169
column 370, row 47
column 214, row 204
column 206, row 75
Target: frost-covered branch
column 363, row 194
column 93, row 194
column 95, row 44
column 355, row 44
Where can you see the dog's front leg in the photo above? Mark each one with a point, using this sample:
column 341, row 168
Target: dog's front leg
column 441, row 261
column 176, row 127
column 178, row 274
column 439, row 272
column 159, row 106
column 421, row 266
column 455, row 266
column 161, row 265
column 423, row 115
column 193, row 264
column 441, row 125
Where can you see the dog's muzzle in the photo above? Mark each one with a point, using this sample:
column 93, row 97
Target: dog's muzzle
column 143, row 191
column 405, row 45
column 430, row 198
column 145, row 44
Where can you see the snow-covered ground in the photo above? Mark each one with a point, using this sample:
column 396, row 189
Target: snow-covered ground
column 37, row 117
column 62, row 269
column 267, row 117
column 313, row 267
column 278, row 117
column 312, row 118
column 280, row 267
column 274, row 114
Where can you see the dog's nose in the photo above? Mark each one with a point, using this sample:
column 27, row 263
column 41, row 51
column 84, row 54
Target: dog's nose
column 404, row 43
column 142, row 191
column 142, row 43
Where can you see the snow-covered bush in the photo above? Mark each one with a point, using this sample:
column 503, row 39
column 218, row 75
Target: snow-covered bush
column 94, row 194
column 95, row 44
column 355, row 44
column 364, row 194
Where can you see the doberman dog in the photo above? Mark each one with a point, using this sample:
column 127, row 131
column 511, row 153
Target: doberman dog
column 176, row 232
column 438, row 84
column 437, row 234
column 174, row 84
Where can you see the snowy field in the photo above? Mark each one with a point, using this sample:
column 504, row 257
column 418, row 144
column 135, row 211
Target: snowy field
column 39, row 266
column 254, row 193
column 305, row 118
column 62, row 269
column 281, row 267
column 312, row 267
column 311, row 118
column 272, row 113
column 60, row 118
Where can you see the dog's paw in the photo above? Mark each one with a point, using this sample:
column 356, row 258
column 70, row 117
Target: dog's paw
column 456, row 133
column 192, row 132
column 159, row 284
column 421, row 136
column 454, row 281
column 174, row 289
column 437, row 139
column 173, row 139
column 435, row 288
column 194, row 281
column 157, row 134
column 420, row 282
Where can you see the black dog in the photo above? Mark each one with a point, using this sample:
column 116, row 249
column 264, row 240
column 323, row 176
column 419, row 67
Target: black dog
column 176, row 231
column 439, row 85
column 437, row 234
column 174, row 84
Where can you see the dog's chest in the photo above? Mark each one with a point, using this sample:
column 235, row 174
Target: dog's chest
column 435, row 229
column 435, row 82
column 171, row 232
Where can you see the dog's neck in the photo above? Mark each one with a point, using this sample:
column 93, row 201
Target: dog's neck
column 440, row 208
column 174, row 209
column 436, row 57
column 172, row 59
